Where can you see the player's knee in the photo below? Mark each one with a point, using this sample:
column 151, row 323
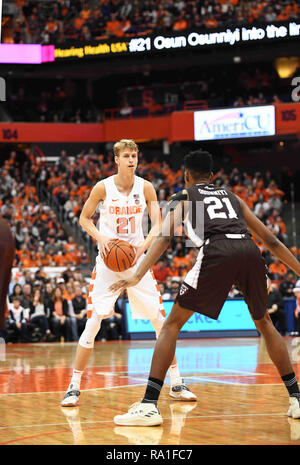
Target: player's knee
column 157, row 324
column 172, row 324
column 178, row 317
column 91, row 329
column 264, row 323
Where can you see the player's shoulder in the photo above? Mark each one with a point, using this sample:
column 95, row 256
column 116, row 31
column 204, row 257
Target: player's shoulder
column 148, row 187
column 99, row 188
column 147, row 183
column 107, row 180
column 178, row 196
column 100, row 184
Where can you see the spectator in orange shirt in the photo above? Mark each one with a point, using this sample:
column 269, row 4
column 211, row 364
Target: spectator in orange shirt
column 70, row 245
column 60, row 259
column 76, row 210
column 161, row 271
column 260, row 190
column 282, row 234
column 255, row 10
column 277, row 269
column 68, row 292
column 42, row 258
column 34, row 259
column 81, row 256
column 282, row 16
column 125, row 26
column 281, row 224
column 71, row 256
column 51, row 26
column 26, row 260
column 113, row 26
column 248, row 200
column 272, row 189
column 239, row 190
column 180, row 260
column 291, row 9
column 181, row 23
column 85, row 12
column 78, row 23
column 211, row 22
column 251, row 194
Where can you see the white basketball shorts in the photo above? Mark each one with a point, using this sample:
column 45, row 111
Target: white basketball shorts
column 144, row 299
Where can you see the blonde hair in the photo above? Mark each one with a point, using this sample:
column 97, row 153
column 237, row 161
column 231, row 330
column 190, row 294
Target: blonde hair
column 124, row 144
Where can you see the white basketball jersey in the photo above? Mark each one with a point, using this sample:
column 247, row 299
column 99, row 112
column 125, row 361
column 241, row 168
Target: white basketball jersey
column 121, row 216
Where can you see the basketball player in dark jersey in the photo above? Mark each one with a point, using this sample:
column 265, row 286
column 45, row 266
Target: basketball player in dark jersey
column 7, row 252
column 227, row 256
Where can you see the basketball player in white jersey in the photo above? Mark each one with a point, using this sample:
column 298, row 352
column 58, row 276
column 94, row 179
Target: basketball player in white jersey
column 122, row 199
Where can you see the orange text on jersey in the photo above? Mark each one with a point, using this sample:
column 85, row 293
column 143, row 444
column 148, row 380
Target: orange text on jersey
column 128, row 210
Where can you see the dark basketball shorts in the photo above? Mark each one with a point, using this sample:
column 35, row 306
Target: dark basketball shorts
column 222, row 262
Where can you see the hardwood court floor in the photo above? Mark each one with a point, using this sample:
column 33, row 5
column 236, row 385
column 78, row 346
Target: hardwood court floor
column 241, row 399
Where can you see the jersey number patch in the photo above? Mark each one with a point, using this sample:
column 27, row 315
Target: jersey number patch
column 219, row 208
column 126, row 225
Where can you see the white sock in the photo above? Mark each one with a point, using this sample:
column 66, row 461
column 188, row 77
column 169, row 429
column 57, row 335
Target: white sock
column 175, row 375
column 75, row 381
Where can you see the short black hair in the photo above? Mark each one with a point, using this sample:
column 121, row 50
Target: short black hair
column 199, row 162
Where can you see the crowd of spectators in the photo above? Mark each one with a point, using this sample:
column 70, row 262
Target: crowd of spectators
column 54, row 303
column 52, row 309
column 40, row 238
column 58, row 21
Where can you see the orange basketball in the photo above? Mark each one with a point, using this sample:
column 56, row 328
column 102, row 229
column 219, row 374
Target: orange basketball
column 120, row 256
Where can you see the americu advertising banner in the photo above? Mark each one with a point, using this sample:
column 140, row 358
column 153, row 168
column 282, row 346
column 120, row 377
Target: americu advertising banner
column 234, row 123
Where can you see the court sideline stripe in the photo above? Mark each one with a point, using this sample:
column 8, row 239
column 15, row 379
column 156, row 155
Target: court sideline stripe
column 134, row 385
column 222, row 417
column 82, row 390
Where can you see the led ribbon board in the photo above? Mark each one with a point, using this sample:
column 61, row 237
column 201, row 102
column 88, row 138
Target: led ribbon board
column 193, row 40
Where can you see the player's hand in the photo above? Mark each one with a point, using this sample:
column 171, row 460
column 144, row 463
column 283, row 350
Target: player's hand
column 139, row 250
column 104, row 246
column 123, row 284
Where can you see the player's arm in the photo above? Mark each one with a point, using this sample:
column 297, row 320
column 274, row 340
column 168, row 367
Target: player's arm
column 159, row 244
column 97, row 194
column 155, row 217
column 270, row 241
column 154, row 213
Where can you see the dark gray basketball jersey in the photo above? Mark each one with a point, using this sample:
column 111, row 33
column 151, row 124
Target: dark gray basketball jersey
column 220, row 212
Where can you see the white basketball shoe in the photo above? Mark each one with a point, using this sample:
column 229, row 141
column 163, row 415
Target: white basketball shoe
column 294, row 410
column 182, row 392
column 71, row 398
column 140, row 414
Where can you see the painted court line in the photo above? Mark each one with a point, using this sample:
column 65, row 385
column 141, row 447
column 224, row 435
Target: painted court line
column 144, row 383
column 82, row 390
column 220, row 381
column 217, row 371
column 166, row 418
